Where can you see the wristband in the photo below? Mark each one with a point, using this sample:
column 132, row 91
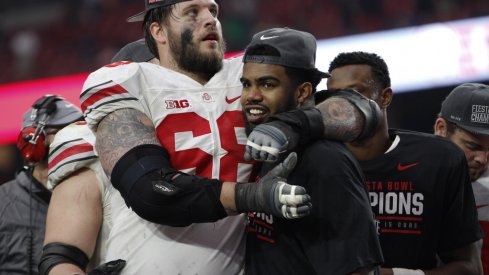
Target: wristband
column 404, row 271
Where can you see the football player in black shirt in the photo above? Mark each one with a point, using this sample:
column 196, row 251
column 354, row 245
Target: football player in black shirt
column 419, row 185
column 339, row 236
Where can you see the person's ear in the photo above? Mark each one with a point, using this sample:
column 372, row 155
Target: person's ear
column 158, row 32
column 304, row 92
column 385, row 98
column 440, row 127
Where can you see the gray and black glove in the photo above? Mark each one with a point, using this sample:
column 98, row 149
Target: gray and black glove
column 272, row 194
column 282, row 133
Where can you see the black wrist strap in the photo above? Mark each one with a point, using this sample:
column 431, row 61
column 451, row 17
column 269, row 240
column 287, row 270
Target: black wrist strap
column 57, row 253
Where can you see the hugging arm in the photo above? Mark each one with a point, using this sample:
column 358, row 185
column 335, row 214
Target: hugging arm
column 139, row 167
column 342, row 115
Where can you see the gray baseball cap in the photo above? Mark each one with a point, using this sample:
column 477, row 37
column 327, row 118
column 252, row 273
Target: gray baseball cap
column 468, row 107
column 136, row 51
column 56, row 110
column 152, row 4
column 297, row 49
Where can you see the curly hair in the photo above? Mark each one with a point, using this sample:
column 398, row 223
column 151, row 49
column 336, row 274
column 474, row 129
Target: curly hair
column 380, row 72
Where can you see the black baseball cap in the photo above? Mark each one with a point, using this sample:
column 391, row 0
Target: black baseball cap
column 136, row 51
column 297, row 49
column 152, row 4
column 468, row 107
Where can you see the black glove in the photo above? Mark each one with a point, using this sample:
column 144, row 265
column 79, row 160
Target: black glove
column 282, row 133
column 272, row 194
column 109, row 268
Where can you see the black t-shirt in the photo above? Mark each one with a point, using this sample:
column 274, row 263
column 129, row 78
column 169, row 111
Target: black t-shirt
column 422, row 198
column 338, row 237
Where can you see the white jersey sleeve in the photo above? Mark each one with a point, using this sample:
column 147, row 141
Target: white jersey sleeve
column 115, row 86
column 71, row 150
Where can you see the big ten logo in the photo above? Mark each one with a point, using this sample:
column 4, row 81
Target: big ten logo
column 177, row 104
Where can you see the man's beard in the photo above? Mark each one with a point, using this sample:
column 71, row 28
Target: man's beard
column 191, row 60
column 476, row 175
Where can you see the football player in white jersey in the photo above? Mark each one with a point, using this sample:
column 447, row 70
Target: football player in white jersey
column 212, row 250
column 79, row 213
column 156, row 126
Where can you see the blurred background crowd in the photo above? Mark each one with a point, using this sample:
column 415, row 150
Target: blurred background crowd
column 43, row 38
column 46, row 38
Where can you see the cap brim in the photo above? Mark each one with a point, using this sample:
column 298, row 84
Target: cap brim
column 474, row 130
column 66, row 120
column 137, row 17
column 323, row 74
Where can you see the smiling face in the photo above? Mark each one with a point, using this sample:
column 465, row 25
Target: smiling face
column 267, row 90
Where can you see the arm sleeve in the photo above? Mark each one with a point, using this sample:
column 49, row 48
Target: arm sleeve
column 71, row 150
column 111, row 88
column 149, row 186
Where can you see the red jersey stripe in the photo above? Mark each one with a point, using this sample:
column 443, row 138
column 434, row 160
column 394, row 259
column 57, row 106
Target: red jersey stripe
column 69, row 152
column 101, row 94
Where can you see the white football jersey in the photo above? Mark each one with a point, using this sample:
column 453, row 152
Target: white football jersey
column 73, row 149
column 202, row 128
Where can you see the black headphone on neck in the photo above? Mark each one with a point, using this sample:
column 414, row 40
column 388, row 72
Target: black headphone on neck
column 31, row 139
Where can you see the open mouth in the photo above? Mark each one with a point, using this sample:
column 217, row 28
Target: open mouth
column 211, row 37
column 256, row 114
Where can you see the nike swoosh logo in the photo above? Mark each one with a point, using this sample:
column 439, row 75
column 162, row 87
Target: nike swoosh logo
column 482, row 205
column 404, row 167
column 229, row 101
column 263, row 37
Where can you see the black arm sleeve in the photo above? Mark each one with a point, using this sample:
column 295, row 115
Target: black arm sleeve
column 160, row 194
column 301, row 126
column 367, row 107
column 58, row 253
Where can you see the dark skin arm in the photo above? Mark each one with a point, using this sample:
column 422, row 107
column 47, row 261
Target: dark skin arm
column 462, row 261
